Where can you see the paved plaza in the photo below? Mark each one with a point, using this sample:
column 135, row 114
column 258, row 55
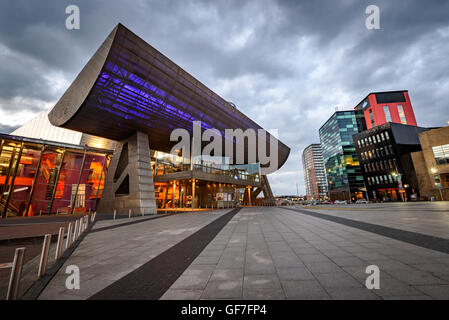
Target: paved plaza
column 266, row 253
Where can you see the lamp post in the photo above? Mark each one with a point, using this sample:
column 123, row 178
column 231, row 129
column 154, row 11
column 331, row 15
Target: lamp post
column 398, row 177
column 436, row 177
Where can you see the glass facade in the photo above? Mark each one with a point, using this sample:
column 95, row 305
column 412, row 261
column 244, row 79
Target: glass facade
column 163, row 163
column 39, row 177
column 441, row 154
column 343, row 172
column 176, row 182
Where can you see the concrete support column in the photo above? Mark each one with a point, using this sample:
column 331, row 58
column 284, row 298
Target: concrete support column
column 129, row 181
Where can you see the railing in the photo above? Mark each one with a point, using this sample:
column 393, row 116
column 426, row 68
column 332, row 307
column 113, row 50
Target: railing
column 234, row 173
column 231, row 173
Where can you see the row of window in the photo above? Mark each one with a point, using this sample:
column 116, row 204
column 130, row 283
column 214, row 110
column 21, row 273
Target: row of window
column 377, row 138
column 383, row 179
column 379, row 166
column 400, row 112
column 377, row 153
column 387, row 114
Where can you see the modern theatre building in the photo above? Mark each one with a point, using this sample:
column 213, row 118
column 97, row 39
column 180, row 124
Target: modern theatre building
column 125, row 105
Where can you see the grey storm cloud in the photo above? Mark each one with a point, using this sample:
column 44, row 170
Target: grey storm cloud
column 286, row 64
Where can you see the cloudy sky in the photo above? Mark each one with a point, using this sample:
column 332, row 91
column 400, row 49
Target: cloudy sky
column 286, row 64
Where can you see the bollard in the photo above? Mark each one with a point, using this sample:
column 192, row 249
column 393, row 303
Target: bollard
column 86, row 223
column 80, row 225
column 40, row 212
column 57, row 211
column 68, row 241
column 129, row 213
column 75, row 231
column 44, row 256
column 95, row 216
column 59, row 243
column 115, row 213
column 16, row 273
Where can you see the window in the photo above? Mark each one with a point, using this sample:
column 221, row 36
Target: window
column 371, row 116
column 387, row 136
column 402, row 114
column 382, row 136
column 387, row 113
column 441, row 154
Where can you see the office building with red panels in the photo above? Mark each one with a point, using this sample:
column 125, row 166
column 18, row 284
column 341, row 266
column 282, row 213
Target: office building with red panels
column 388, row 106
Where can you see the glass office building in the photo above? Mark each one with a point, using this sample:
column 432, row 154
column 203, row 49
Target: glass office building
column 343, row 172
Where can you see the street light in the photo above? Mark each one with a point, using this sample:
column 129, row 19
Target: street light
column 399, row 180
column 437, row 179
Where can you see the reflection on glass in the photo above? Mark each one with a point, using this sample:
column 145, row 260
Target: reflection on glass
column 24, row 180
column 8, row 161
column 45, row 181
column 67, row 188
column 402, row 114
column 387, row 113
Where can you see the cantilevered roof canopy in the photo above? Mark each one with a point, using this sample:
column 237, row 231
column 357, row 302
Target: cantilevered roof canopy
column 129, row 86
